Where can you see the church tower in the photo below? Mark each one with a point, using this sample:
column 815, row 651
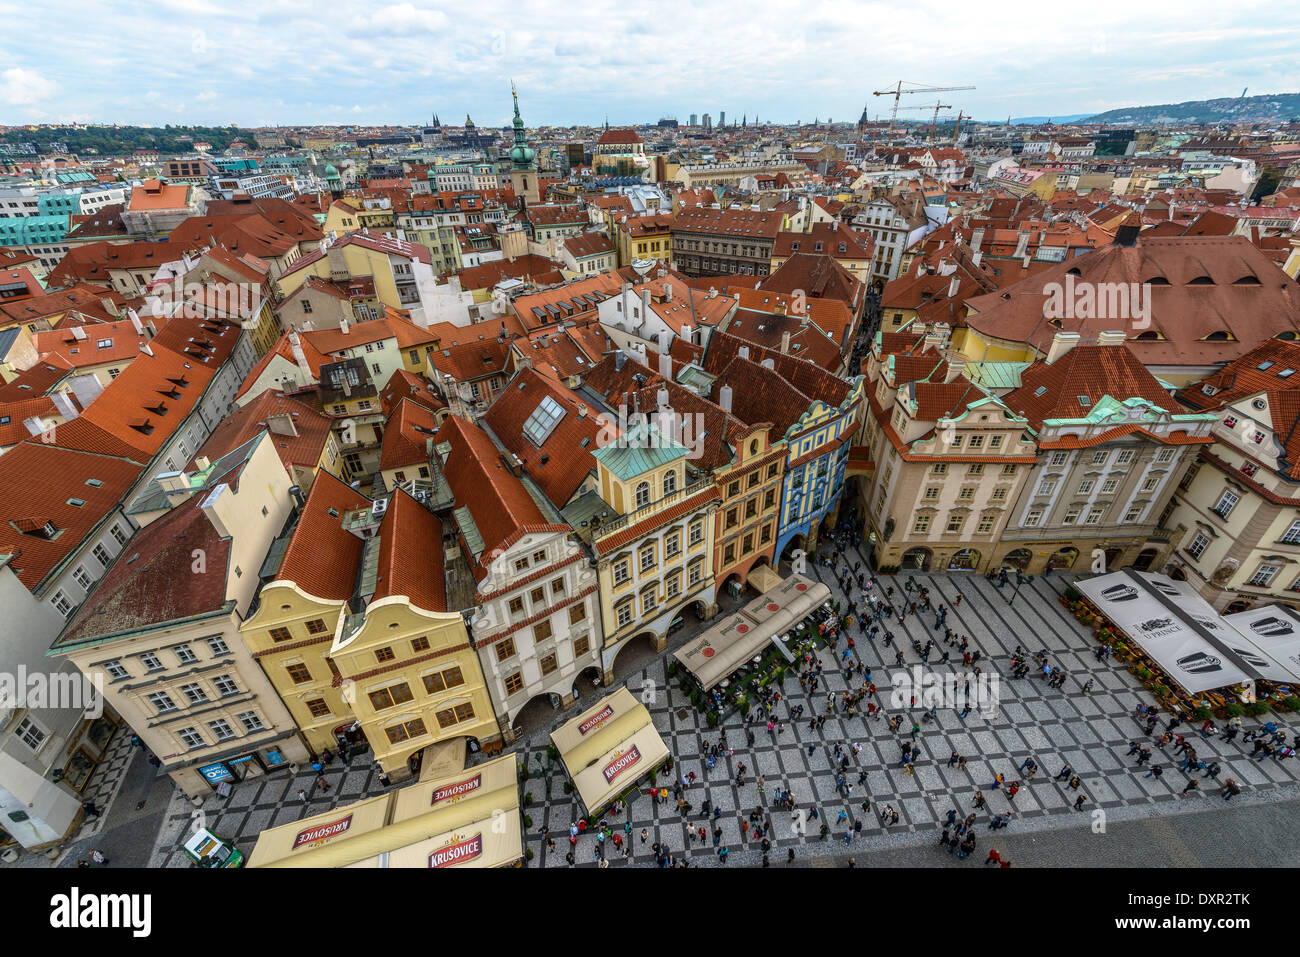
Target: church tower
column 523, row 161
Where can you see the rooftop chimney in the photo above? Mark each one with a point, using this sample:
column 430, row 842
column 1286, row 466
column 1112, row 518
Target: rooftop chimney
column 619, row 359
column 743, row 352
column 343, row 325
column 953, row 286
column 1113, row 337
column 724, row 397
column 1062, row 343
column 785, row 343
column 300, row 357
column 665, row 365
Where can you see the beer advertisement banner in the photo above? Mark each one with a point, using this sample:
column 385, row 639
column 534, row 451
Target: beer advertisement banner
column 1164, row 635
column 322, row 832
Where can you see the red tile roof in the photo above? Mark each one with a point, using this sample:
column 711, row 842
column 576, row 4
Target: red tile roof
column 322, row 557
column 1223, row 287
column 563, row 461
column 1086, row 371
column 63, row 474
column 482, row 482
column 410, row 554
column 303, row 450
column 151, row 582
column 407, row 385
column 406, row 436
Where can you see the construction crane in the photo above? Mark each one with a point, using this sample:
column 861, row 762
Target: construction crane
column 934, row 122
column 956, row 133
column 898, row 91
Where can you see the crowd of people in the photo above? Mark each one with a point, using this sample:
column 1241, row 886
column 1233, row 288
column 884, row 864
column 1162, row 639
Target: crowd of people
column 873, row 606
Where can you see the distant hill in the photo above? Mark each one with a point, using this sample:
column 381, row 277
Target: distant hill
column 122, row 140
column 1055, row 118
column 1267, row 108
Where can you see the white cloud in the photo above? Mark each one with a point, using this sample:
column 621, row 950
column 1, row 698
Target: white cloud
column 400, row 60
column 399, row 19
column 19, row 87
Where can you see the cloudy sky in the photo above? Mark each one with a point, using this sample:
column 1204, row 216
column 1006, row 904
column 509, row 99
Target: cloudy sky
column 303, row 61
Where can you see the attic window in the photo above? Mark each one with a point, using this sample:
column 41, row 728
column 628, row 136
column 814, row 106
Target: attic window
column 1247, row 281
column 1084, row 400
column 1266, row 364
column 1073, row 272
column 76, row 502
column 1040, row 390
column 1201, row 281
column 1286, row 373
column 1219, row 336
column 1157, row 281
column 94, row 483
column 1147, row 336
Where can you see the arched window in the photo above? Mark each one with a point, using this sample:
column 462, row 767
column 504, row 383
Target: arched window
column 670, row 482
column 643, row 494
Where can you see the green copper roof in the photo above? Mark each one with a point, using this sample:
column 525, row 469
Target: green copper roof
column 996, row 375
column 640, row 449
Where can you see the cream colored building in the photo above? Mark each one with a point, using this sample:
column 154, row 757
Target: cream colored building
column 162, row 628
column 1234, row 521
column 652, row 538
column 950, row 459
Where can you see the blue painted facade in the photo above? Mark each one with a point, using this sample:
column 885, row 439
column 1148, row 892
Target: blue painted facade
column 816, row 465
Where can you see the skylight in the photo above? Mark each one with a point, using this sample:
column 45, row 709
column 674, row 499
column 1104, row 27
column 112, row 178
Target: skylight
column 542, row 422
column 1084, row 401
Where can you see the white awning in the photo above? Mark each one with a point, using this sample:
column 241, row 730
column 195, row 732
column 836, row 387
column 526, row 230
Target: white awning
column 1174, row 626
column 723, row 648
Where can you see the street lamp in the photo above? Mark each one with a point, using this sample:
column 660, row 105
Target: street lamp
column 1021, row 579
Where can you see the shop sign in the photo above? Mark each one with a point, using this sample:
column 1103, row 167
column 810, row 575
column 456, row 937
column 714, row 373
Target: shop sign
column 621, row 764
column 216, row 773
column 457, row 853
column 322, row 832
column 596, row 719
column 459, row 789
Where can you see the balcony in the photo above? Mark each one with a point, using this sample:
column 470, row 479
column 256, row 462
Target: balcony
column 645, row 511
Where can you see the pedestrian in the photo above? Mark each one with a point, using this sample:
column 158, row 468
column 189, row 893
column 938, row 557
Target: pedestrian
column 993, row 858
column 90, row 809
column 1192, row 785
column 98, row 857
column 1078, row 803
column 302, row 795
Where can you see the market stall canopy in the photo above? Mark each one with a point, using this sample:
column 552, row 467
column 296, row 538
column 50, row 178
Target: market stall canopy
column 608, row 747
column 764, row 577
column 469, row 818
column 1173, row 626
column 1274, row 630
column 724, row 647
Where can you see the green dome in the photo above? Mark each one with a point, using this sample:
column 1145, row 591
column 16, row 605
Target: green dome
column 331, row 172
column 522, row 155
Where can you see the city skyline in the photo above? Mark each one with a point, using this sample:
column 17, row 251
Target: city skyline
column 400, row 63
